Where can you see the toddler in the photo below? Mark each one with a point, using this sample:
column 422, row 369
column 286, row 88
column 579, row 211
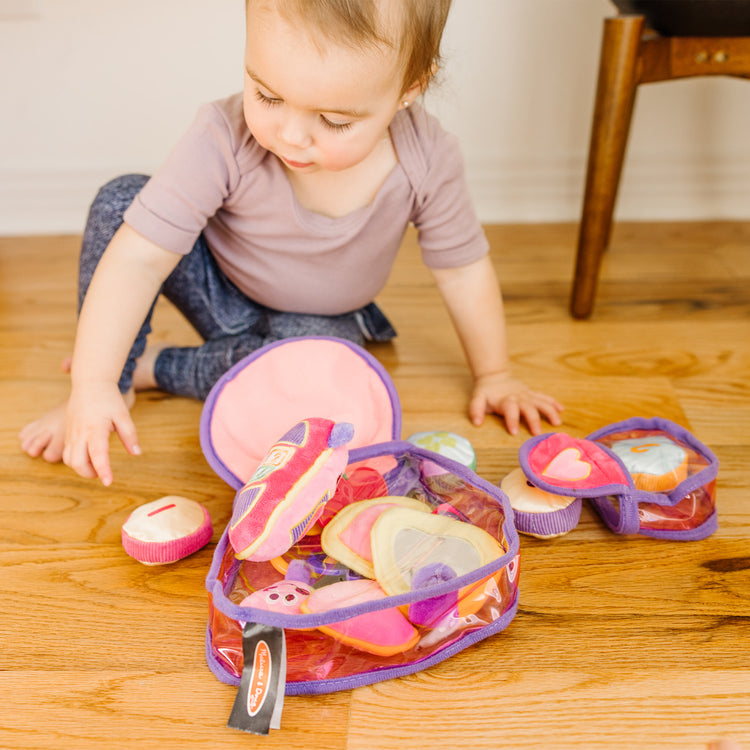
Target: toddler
column 279, row 213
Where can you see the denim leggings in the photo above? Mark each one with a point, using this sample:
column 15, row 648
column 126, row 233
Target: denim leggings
column 230, row 323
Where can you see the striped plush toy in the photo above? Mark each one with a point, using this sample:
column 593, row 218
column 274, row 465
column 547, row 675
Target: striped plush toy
column 287, row 492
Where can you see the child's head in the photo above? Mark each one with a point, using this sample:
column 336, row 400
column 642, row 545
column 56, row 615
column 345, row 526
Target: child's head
column 410, row 29
column 324, row 78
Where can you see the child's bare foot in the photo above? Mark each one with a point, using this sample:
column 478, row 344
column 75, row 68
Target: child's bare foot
column 143, row 376
column 45, row 436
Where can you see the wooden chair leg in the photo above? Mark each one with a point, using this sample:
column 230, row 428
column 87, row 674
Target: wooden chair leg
column 613, row 109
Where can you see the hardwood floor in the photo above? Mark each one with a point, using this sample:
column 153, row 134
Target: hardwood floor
column 619, row 643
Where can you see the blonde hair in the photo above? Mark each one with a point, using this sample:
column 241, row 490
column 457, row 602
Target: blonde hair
column 412, row 28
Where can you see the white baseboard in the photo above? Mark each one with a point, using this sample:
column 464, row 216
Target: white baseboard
column 54, row 202
column 504, row 191
column 651, row 189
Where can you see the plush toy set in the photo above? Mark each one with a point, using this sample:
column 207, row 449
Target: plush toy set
column 368, row 557
column 376, row 556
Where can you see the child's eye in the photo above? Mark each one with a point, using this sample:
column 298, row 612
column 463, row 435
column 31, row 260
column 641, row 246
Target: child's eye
column 337, row 126
column 269, row 101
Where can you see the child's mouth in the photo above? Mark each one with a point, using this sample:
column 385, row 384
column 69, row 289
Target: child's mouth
column 296, row 164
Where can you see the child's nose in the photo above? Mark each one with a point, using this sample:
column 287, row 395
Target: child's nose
column 294, row 132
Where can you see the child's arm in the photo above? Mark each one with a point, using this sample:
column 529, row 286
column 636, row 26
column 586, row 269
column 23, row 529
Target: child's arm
column 472, row 296
column 124, row 286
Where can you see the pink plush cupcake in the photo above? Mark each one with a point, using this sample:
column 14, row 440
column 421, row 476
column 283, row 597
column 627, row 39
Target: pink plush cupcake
column 166, row 530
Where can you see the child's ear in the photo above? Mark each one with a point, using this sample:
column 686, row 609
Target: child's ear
column 418, row 87
column 412, row 93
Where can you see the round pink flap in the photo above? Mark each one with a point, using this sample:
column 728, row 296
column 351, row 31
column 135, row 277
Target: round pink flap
column 260, row 398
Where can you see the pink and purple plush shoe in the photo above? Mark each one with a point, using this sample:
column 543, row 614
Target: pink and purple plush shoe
column 287, row 492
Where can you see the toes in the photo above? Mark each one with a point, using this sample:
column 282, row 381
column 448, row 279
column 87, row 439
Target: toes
column 42, row 443
column 54, row 450
column 32, row 441
column 45, row 437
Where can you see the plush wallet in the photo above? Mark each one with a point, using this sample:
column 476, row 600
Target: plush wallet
column 645, row 476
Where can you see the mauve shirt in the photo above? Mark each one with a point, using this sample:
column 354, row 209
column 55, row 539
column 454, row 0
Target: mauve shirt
column 219, row 181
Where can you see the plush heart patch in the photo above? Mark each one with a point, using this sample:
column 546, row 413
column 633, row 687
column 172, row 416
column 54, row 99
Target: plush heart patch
column 563, row 461
column 567, row 466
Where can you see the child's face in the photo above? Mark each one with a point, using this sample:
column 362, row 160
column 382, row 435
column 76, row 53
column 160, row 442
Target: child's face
column 315, row 109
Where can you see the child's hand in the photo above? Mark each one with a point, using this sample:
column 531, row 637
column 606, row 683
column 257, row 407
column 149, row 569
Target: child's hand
column 502, row 394
column 95, row 409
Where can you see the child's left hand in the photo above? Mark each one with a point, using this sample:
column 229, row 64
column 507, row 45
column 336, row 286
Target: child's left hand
column 500, row 393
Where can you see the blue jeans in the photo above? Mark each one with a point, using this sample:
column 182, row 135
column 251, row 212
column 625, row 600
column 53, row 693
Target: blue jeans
column 230, row 323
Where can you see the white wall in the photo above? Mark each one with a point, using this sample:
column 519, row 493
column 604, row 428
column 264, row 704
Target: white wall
column 93, row 88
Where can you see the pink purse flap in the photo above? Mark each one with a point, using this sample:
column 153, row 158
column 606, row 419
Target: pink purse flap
column 283, row 383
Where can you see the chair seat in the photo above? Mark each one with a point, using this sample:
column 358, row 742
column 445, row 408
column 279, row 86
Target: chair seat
column 692, row 17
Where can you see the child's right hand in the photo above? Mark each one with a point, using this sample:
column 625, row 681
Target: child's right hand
column 95, row 409
column 500, row 393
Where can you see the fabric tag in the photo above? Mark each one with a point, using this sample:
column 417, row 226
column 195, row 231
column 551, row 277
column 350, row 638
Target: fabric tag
column 260, row 697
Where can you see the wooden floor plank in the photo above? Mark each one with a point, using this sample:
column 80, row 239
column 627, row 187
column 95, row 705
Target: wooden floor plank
column 598, row 709
column 618, row 642
column 151, row 709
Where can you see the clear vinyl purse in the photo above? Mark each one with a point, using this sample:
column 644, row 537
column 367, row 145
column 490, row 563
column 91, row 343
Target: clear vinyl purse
column 412, row 558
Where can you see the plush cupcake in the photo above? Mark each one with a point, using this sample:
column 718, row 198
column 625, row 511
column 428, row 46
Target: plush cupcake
column 539, row 513
column 166, row 530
